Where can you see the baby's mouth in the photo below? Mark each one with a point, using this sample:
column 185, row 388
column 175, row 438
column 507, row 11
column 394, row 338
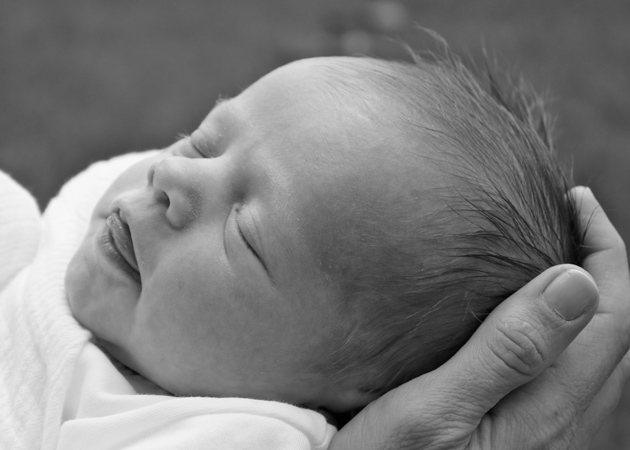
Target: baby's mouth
column 121, row 237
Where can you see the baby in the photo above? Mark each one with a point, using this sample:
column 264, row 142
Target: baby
column 340, row 227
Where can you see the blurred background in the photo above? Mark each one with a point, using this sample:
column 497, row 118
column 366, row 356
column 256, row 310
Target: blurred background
column 82, row 81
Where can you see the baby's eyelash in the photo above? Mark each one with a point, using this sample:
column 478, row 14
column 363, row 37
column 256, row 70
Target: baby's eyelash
column 188, row 138
column 247, row 244
column 197, row 149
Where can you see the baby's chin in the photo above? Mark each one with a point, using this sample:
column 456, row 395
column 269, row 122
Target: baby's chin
column 74, row 284
column 79, row 286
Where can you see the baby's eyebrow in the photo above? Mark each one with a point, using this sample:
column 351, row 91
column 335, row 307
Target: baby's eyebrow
column 220, row 101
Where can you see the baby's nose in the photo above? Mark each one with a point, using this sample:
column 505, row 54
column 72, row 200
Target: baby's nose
column 173, row 185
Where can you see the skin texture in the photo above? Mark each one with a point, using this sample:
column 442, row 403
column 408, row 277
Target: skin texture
column 230, row 229
column 524, row 381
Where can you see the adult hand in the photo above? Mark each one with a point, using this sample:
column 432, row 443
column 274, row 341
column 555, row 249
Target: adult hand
column 518, row 384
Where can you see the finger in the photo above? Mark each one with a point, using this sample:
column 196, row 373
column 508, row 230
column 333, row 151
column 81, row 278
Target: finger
column 563, row 393
column 604, row 247
column 603, row 404
column 605, row 255
column 521, row 337
column 607, row 399
column 604, row 342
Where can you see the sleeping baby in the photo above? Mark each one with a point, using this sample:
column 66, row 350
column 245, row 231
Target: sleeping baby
column 338, row 228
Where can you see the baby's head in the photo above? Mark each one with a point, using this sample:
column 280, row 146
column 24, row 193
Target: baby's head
column 339, row 227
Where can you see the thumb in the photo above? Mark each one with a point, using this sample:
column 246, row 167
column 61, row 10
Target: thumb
column 522, row 337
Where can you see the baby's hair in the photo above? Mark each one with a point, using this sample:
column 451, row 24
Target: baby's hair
column 504, row 218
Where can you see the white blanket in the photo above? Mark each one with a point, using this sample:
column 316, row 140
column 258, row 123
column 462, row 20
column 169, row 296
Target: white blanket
column 59, row 391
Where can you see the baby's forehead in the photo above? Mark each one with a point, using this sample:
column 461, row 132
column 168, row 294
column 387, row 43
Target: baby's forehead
column 342, row 146
column 347, row 81
column 340, row 133
column 343, row 97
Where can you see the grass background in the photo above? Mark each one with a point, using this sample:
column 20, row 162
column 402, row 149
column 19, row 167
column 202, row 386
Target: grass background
column 81, row 81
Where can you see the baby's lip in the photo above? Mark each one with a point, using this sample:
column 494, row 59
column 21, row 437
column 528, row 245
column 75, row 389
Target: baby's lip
column 122, row 239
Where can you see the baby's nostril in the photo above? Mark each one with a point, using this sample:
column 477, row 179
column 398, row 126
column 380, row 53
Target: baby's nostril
column 162, row 197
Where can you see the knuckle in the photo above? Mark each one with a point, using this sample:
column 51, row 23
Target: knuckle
column 521, row 347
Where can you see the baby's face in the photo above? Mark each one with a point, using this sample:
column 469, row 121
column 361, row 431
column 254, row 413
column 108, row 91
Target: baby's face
column 203, row 266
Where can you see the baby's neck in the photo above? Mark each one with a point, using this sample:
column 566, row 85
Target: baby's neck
column 140, row 384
